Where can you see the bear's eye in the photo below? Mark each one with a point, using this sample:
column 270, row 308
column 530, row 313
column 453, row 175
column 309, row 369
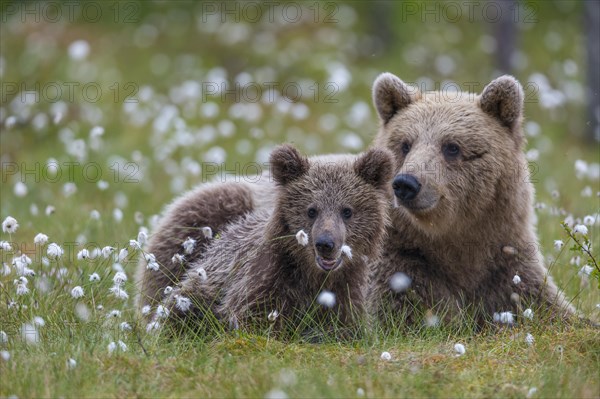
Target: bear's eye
column 346, row 213
column 312, row 213
column 451, row 151
column 405, row 148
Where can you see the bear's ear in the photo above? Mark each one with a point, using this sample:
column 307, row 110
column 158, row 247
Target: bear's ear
column 375, row 167
column 390, row 95
column 503, row 99
column 287, row 164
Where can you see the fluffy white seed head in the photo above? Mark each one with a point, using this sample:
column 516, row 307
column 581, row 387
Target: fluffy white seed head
column 207, row 232
column 347, row 251
column 516, row 279
column 459, row 349
column 326, row 299
column 40, row 239
column 528, row 314
column 77, row 292
column 10, row 225
column 386, row 356
column 302, row 238
column 400, row 282
column 188, row 245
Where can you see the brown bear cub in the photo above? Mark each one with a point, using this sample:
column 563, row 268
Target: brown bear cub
column 462, row 218
column 307, row 254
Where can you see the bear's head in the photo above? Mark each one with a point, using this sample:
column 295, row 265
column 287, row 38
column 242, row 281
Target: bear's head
column 340, row 202
column 457, row 154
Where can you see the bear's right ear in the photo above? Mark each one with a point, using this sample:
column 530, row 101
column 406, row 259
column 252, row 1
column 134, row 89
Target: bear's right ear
column 390, row 95
column 375, row 167
column 287, row 164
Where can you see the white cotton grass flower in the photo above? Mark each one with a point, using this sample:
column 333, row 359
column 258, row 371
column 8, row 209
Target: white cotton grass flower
column 107, row 251
column 124, row 326
column 302, row 238
column 431, row 319
column 459, row 349
column 83, row 254
column 20, row 189
column 532, row 391
column 5, row 246
column 117, row 215
column 528, row 314
column 135, row 245
column 40, row 239
column 182, row 303
column 152, row 326
column 347, row 251
column 207, row 232
column 188, row 245
column 5, row 270
column 142, row 237
column 504, row 317
column 146, row 309
column 529, row 339
column 71, row 363
column 49, row 210
column 10, row 225
column 360, row 392
column 30, row 333
column 79, row 50
column 120, row 278
column 276, row 394
column 516, row 279
column 77, row 292
column 177, row 259
column 118, row 268
column 168, row 289
column 94, row 214
column 558, row 244
column 386, row 356
column 162, row 312
column 326, row 298
column 119, row 345
column 3, row 338
column 400, row 282
column 5, row 355
column 82, row 311
column 94, row 277
column 202, row 274
column 54, row 251
column 38, row 321
column 114, row 314
column 585, row 270
column 151, row 263
column 22, row 290
column 123, row 254
column 273, row 315
column 589, row 220
column 119, row 292
column 580, row 229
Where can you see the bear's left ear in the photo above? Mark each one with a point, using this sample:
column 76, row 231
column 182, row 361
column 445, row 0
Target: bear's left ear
column 375, row 167
column 287, row 164
column 503, row 99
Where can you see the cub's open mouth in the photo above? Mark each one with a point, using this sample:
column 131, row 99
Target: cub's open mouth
column 328, row 264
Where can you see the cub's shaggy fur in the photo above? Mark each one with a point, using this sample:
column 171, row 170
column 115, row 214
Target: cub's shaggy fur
column 462, row 219
column 258, row 265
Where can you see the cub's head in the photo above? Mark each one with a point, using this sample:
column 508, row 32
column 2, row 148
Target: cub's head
column 456, row 154
column 338, row 201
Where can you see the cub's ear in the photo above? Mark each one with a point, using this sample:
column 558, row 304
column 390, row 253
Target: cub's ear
column 390, row 95
column 503, row 99
column 375, row 167
column 287, row 164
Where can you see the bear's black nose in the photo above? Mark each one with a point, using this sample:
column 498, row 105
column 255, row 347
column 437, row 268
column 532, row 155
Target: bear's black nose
column 406, row 187
column 325, row 245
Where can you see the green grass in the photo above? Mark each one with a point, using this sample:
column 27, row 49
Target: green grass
column 563, row 362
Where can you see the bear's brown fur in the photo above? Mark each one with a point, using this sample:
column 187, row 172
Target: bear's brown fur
column 258, row 265
column 462, row 219
column 211, row 205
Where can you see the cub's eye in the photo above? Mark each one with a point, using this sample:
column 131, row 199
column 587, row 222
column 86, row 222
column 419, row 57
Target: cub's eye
column 451, row 151
column 312, row 213
column 346, row 213
column 405, row 148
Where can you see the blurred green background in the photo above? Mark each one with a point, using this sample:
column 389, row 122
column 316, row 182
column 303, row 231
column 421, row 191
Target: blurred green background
column 124, row 98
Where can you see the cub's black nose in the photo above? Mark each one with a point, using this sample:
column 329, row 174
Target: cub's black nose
column 324, row 245
column 406, row 187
